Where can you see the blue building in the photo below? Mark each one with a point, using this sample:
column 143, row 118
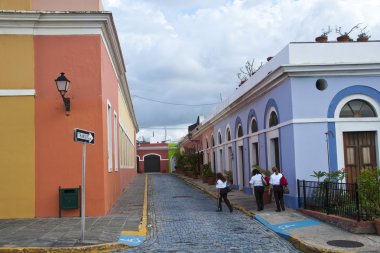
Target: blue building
column 313, row 106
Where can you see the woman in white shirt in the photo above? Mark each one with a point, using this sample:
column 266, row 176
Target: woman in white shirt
column 258, row 188
column 278, row 190
column 221, row 185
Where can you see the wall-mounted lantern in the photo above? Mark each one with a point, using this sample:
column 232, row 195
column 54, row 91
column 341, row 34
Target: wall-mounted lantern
column 63, row 86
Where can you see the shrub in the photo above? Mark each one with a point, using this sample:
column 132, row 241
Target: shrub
column 369, row 193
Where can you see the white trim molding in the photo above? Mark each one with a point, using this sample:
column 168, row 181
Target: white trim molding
column 17, row 93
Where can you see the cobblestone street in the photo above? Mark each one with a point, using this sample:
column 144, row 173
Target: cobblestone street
column 183, row 219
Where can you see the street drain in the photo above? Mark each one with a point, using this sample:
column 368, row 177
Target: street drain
column 181, row 197
column 345, row 243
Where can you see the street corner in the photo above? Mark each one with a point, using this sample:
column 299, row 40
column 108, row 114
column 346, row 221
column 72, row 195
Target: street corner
column 131, row 240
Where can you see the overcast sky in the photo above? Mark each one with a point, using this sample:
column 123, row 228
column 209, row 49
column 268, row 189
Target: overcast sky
column 190, row 51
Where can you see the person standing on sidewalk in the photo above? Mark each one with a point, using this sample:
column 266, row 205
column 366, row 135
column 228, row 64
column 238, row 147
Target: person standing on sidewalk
column 257, row 181
column 278, row 190
column 221, row 185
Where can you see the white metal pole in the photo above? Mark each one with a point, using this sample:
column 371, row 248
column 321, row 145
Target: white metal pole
column 83, row 196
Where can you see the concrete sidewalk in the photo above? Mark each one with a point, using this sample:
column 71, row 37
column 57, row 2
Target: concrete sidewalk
column 305, row 233
column 102, row 234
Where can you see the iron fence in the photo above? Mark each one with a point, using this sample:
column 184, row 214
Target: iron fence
column 341, row 199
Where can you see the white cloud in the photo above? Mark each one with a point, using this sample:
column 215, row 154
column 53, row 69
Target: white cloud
column 190, row 51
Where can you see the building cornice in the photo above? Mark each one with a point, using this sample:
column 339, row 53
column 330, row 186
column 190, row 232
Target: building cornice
column 72, row 23
column 280, row 74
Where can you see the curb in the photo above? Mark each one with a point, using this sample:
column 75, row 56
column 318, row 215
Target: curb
column 294, row 240
column 106, row 247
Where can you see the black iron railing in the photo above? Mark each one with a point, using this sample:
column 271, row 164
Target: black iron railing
column 339, row 199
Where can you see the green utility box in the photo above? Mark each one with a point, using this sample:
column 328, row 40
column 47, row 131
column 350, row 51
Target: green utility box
column 68, row 198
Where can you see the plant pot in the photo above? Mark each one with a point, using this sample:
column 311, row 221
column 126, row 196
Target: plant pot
column 204, row 179
column 362, row 39
column 344, row 38
column 321, row 39
column 377, row 225
column 211, row 180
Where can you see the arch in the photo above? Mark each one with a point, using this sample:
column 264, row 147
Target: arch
column 237, row 123
column 357, row 108
column 228, row 134
column 273, row 119
column 357, row 89
column 212, row 141
column 335, row 129
column 220, row 140
column 152, row 163
column 253, row 125
column 271, row 105
column 251, row 115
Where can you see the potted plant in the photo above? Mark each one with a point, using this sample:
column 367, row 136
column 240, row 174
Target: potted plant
column 323, row 37
column 206, row 172
column 344, row 36
column 363, row 36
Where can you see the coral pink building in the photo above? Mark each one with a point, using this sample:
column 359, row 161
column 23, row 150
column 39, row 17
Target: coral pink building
column 41, row 39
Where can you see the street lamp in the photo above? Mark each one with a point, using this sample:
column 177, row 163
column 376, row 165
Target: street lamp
column 63, row 86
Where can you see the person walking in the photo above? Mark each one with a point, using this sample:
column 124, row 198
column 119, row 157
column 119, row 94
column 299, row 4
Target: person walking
column 278, row 190
column 221, row 185
column 257, row 181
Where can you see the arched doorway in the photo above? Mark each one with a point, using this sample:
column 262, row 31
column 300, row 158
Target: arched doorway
column 152, row 163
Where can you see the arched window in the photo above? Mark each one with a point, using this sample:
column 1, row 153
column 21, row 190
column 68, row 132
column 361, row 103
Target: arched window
column 219, row 138
column 273, row 120
column 357, row 108
column 206, row 143
column 239, row 131
column 253, row 125
column 212, row 141
column 228, row 134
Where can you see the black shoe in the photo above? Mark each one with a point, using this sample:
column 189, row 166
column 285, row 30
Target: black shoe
column 231, row 210
column 278, row 210
column 283, row 209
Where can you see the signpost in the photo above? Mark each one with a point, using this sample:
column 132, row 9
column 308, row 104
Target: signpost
column 86, row 137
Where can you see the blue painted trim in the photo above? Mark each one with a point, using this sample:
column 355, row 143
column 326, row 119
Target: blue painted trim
column 280, row 232
column 131, row 240
column 357, row 89
column 281, row 228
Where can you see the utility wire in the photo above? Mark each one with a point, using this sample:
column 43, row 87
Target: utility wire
column 162, row 102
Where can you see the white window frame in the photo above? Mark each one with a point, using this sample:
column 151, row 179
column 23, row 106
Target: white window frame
column 115, row 131
column 273, row 134
column 109, row 135
column 355, row 125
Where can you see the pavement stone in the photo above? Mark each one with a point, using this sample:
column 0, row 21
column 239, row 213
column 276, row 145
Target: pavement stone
column 61, row 234
column 308, row 238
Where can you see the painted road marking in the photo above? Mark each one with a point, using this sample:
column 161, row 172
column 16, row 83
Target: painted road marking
column 281, row 229
column 131, row 240
column 135, row 238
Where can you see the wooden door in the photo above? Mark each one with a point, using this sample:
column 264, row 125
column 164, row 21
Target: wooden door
column 359, row 153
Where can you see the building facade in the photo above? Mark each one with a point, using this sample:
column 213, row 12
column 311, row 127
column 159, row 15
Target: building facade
column 314, row 106
column 157, row 157
column 39, row 39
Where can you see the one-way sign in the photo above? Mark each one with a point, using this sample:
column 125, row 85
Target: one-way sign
column 84, row 136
